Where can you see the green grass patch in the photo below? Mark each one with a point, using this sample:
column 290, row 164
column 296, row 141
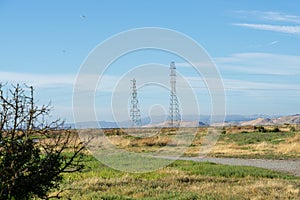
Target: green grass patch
column 179, row 180
column 256, row 137
column 228, row 171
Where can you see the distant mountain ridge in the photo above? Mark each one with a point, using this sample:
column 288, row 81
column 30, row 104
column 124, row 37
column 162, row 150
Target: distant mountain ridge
column 192, row 121
column 291, row 119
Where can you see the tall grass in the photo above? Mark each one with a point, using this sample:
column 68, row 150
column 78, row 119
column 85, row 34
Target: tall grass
column 180, row 180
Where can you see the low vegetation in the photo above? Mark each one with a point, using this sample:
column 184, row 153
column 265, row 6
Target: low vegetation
column 193, row 180
column 247, row 142
column 180, row 180
column 34, row 151
column 275, row 142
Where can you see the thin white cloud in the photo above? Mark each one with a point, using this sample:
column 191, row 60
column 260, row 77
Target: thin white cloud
column 257, row 63
column 277, row 16
column 197, row 64
column 37, row 80
column 285, row 23
column 242, row 85
column 270, row 16
column 260, row 63
column 268, row 27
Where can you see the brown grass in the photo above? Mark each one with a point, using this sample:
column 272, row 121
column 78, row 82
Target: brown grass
column 291, row 145
column 189, row 186
column 170, row 182
column 158, row 138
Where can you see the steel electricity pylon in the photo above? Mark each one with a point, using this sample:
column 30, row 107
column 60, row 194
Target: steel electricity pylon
column 134, row 108
column 174, row 114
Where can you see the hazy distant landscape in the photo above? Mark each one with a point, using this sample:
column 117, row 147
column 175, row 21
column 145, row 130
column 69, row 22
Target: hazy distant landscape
column 230, row 120
column 150, row 100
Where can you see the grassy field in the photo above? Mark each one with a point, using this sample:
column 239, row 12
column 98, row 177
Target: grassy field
column 240, row 142
column 180, row 180
column 249, row 142
column 193, row 180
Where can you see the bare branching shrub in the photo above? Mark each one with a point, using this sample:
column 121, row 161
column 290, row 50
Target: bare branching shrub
column 34, row 152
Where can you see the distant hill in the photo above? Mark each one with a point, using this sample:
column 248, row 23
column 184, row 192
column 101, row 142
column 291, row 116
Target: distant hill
column 292, row 119
column 103, row 124
column 193, row 121
column 182, row 124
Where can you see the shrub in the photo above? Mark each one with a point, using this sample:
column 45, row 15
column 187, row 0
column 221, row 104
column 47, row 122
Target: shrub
column 31, row 167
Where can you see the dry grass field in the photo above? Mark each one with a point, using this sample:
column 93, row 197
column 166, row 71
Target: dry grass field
column 180, row 180
column 248, row 142
column 188, row 179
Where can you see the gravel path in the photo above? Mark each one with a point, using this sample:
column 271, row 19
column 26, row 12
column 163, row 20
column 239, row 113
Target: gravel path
column 290, row 166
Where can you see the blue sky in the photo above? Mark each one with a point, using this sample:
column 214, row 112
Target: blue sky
column 255, row 45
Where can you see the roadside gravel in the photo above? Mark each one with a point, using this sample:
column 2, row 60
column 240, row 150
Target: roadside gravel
column 290, row 166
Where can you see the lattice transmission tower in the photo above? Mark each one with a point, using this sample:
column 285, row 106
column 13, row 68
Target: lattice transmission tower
column 134, row 108
column 174, row 114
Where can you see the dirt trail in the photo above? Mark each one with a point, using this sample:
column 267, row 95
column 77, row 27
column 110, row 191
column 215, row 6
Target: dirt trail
column 290, row 166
